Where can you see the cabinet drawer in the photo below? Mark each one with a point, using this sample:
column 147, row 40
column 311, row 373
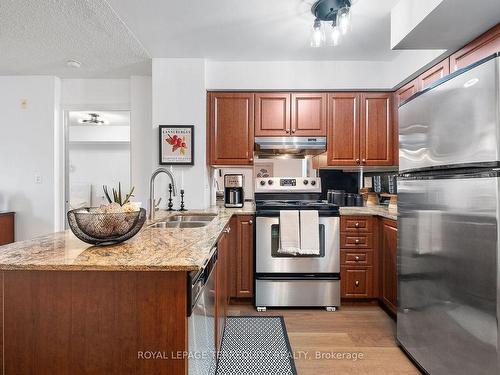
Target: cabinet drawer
column 357, row 224
column 357, row 258
column 356, row 241
column 357, row 282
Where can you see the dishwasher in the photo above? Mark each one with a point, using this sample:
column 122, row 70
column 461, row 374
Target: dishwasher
column 201, row 318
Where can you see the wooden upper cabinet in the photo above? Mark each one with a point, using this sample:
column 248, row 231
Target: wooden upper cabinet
column 485, row 45
column 376, row 129
column 309, row 114
column 231, row 128
column 407, row 91
column 272, row 114
column 435, row 73
column 343, row 129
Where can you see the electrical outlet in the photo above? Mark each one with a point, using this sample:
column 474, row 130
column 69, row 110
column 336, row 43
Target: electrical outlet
column 38, row 179
column 24, row 104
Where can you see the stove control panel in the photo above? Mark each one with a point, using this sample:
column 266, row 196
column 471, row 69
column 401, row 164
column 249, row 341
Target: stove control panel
column 288, row 184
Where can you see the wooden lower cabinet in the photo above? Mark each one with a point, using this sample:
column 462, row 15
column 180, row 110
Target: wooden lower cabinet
column 368, row 259
column 244, row 257
column 389, row 248
column 357, row 282
column 358, row 257
column 6, row 228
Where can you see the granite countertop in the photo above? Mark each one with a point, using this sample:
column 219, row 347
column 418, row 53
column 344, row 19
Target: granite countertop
column 374, row 210
column 152, row 249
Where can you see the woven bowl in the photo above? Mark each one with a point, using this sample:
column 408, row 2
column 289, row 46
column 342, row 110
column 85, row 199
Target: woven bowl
column 97, row 228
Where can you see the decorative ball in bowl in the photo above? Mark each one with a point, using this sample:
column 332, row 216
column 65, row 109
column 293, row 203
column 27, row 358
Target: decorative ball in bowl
column 106, row 225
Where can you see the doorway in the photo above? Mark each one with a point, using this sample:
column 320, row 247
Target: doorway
column 97, row 145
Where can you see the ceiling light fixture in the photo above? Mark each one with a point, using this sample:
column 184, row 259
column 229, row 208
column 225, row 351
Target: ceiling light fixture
column 335, row 12
column 93, row 120
column 73, row 64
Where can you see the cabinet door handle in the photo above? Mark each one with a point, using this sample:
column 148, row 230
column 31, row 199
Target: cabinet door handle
column 356, row 283
column 356, row 258
column 251, row 159
column 356, row 225
column 356, row 241
column 364, row 161
column 357, row 161
column 250, row 222
column 293, row 130
column 228, row 230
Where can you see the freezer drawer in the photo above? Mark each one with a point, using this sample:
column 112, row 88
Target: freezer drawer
column 448, row 278
column 454, row 123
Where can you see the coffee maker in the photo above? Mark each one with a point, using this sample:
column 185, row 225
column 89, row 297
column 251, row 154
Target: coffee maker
column 233, row 190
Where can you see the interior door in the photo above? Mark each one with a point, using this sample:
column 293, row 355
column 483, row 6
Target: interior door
column 343, row 129
column 376, row 133
column 309, row 114
column 448, row 274
column 272, row 114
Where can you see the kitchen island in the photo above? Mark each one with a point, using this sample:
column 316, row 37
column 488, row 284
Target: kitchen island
column 71, row 308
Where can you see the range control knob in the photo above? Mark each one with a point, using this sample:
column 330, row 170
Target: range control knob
column 262, row 182
column 313, row 182
column 306, row 182
column 270, row 182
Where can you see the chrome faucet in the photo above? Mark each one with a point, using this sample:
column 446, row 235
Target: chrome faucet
column 153, row 205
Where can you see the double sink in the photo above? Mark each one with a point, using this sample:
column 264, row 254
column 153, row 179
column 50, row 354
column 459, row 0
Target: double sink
column 185, row 221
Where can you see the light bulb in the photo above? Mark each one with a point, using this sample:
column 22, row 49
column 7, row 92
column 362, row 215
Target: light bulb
column 344, row 19
column 317, row 34
column 334, row 37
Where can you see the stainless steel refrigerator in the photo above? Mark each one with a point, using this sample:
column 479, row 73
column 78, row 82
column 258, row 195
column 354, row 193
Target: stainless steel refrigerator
column 448, row 224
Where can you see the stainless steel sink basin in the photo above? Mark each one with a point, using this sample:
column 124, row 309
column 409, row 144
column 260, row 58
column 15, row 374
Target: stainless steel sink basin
column 179, row 224
column 185, row 221
column 200, row 217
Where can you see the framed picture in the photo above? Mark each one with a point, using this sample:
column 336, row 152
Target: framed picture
column 176, row 144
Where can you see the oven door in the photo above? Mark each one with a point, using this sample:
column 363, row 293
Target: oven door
column 268, row 260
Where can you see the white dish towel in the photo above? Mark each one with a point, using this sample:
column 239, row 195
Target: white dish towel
column 309, row 232
column 289, row 232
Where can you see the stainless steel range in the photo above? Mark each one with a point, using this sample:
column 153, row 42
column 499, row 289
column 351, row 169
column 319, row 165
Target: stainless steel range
column 295, row 279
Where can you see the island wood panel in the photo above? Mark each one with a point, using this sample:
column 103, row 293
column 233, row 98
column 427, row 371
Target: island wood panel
column 343, row 129
column 6, row 228
column 435, row 73
column 485, row 45
column 272, row 114
column 89, row 322
column 231, row 128
column 376, row 130
column 309, row 111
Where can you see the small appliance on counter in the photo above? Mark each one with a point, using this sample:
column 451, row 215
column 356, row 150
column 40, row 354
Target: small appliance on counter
column 233, row 190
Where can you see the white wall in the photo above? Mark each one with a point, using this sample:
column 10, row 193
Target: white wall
column 179, row 98
column 96, row 94
column 28, row 149
column 297, row 75
column 141, row 136
column 316, row 75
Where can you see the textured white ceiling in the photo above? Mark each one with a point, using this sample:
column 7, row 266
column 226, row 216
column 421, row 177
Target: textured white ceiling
column 253, row 29
column 38, row 36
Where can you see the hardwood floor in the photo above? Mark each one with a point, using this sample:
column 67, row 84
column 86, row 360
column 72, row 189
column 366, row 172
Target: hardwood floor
column 366, row 331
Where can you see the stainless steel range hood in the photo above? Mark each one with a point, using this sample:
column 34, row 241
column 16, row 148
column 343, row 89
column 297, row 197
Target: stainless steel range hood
column 297, row 147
